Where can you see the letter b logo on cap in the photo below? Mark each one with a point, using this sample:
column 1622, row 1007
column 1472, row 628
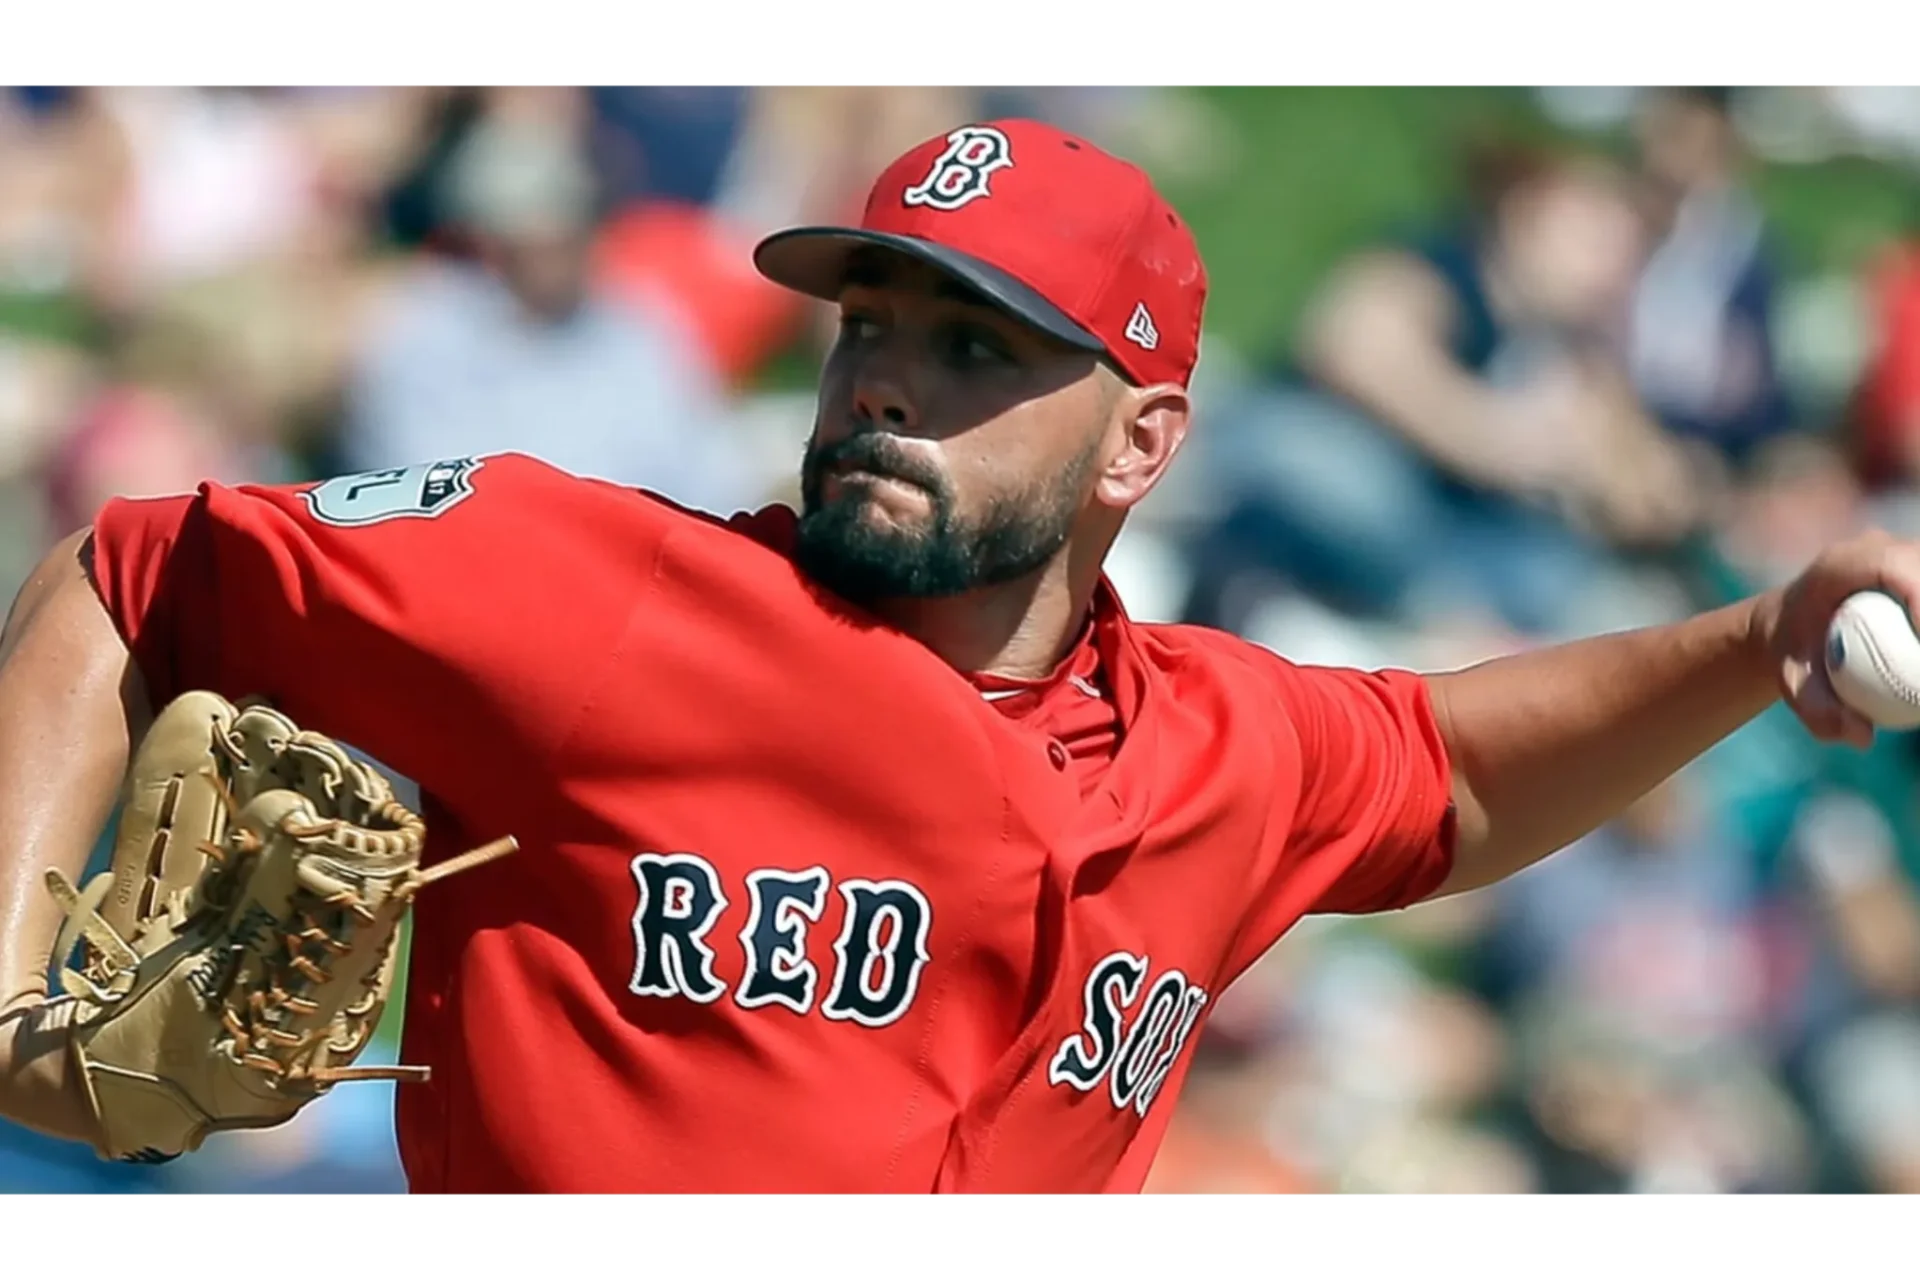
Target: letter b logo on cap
column 960, row 173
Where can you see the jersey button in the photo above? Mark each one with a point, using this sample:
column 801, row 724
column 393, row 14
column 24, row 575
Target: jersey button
column 1057, row 754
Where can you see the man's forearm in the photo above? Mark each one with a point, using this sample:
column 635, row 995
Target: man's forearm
column 69, row 704
column 1548, row 745
column 64, row 738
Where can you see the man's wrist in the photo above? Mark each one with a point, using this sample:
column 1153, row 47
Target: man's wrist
column 1759, row 625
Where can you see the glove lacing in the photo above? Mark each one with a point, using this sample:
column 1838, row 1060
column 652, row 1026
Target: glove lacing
column 325, row 919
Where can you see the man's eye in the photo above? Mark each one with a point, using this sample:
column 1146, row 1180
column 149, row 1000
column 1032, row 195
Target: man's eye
column 976, row 346
column 858, row 327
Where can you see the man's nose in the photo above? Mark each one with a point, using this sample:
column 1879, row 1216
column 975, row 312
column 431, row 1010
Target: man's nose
column 882, row 394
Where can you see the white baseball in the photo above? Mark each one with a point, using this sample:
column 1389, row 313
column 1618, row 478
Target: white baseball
column 1873, row 659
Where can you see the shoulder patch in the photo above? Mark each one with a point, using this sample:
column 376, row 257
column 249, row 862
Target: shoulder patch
column 420, row 492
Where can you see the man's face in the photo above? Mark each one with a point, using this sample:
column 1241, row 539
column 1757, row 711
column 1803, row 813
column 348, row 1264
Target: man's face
column 1684, row 143
column 1573, row 246
column 547, row 272
column 954, row 447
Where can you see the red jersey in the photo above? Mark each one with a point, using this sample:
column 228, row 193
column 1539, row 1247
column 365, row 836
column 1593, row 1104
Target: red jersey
column 798, row 906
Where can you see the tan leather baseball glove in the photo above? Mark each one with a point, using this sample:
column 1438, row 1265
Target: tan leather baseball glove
column 236, row 959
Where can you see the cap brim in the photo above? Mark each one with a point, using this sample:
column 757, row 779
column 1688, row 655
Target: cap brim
column 813, row 261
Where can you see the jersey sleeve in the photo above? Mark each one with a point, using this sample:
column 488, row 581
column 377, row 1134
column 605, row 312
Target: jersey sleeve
column 1363, row 817
column 1376, row 787
column 438, row 617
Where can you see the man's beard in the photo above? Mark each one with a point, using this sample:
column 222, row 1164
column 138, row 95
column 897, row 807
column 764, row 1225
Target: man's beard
column 842, row 549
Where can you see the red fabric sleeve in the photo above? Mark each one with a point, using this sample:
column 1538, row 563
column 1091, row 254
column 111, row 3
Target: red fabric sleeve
column 1363, row 817
column 1376, row 787
column 441, row 637
column 146, row 553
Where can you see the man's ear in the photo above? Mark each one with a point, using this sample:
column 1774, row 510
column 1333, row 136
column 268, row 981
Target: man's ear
column 1151, row 423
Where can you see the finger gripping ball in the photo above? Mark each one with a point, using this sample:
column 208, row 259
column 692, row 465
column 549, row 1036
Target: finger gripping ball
column 1873, row 659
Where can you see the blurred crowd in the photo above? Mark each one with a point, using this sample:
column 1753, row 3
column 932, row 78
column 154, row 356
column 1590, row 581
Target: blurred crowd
column 1589, row 394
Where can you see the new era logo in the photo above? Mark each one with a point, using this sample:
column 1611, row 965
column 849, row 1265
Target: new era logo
column 1141, row 330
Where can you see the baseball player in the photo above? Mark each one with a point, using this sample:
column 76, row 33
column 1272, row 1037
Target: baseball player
column 868, row 847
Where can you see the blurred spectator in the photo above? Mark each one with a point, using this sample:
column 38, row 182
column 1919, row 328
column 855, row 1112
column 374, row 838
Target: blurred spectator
column 41, row 383
column 1171, row 132
column 1799, row 124
column 665, row 143
column 1856, row 858
column 1702, row 350
column 1336, row 1064
column 1837, row 841
column 1847, row 818
column 516, row 351
column 1216, row 1143
column 62, row 168
column 682, row 244
column 135, row 442
column 1868, row 1082
column 1458, row 431
column 1884, row 418
column 663, row 156
column 212, row 180
column 412, row 209
column 1639, row 973
column 1646, row 921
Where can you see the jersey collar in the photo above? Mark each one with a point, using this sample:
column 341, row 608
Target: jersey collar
column 1085, row 669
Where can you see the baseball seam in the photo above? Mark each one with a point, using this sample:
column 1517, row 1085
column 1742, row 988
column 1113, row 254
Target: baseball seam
column 1901, row 689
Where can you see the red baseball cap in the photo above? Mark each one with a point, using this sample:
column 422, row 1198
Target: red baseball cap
column 1043, row 224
